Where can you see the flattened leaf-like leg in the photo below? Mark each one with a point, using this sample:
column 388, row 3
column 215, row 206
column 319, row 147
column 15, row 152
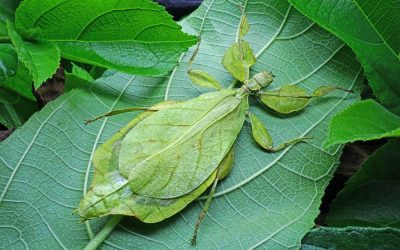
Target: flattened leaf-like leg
column 291, row 98
column 264, row 139
column 223, row 170
column 130, row 109
column 200, row 77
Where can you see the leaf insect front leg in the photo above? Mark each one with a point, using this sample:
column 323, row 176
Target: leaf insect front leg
column 200, row 77
column 156, row 107
column 223, row 170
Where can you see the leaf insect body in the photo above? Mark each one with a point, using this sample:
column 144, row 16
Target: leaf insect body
column 173, row 152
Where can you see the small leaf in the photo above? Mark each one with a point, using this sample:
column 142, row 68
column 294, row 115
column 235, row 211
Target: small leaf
column 41, row 58
column 238, row 63
column 260, row 133
column 8, row 61
column 20, row 83
column 78, row 78
column 137, row 37
column 287, row 99
column 363, row 121
column 203, row 79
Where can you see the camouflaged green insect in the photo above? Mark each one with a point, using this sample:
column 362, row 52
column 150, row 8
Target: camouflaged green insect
column 173, row 152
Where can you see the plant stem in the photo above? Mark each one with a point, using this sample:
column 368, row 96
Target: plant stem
column 104, row 232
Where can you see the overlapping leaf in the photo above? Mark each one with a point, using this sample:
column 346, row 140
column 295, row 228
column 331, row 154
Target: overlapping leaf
column 274, row 198
column 371, row 29
column 138, row 37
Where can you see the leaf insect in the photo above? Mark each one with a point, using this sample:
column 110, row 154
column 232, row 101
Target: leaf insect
column 169, row 155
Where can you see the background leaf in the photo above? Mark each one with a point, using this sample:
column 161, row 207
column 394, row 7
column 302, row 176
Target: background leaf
column 365, row 120
column 7, row 11
column 8, row 61
column 77, row 78
column 352, row 238
column 274, row 198
column 15, row 109
column 370, row 197
column 371, row 29
column 137, row 37
column 20, row 83
column 41, row 58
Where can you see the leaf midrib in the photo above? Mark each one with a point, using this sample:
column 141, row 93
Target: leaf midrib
column 374, row 28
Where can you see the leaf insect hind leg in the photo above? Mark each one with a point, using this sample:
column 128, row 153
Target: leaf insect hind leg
column 222, row 171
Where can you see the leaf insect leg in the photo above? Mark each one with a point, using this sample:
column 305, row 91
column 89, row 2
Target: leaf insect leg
column 223, row 170
column 156, row 107
column 204, row 210
column 120, row 111
column 264, row 139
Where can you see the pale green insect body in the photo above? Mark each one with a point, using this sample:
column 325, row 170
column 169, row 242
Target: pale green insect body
column 161, row 161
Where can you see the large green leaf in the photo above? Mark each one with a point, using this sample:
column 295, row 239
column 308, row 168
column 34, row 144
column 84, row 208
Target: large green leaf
column 371, row 196
column 137, row 37
column 363, row 121
column 268, row 200
column 352, row 238
column 371, row 29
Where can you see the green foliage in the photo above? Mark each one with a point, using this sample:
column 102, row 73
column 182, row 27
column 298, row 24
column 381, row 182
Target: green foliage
column 114, row 34
column 77, row 78
column 371, row 29
column 14, row 109
column 7, row 9
column 20, row 82
column 365, row 120
column 352, row 238
column 268, row 200
column 41, row 58
column 8, row 61
column 370, row 197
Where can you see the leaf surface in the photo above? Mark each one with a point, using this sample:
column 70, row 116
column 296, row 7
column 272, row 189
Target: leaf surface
column 364, row 120
column 268, row 200
column 371, row 29
column 137, row 37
